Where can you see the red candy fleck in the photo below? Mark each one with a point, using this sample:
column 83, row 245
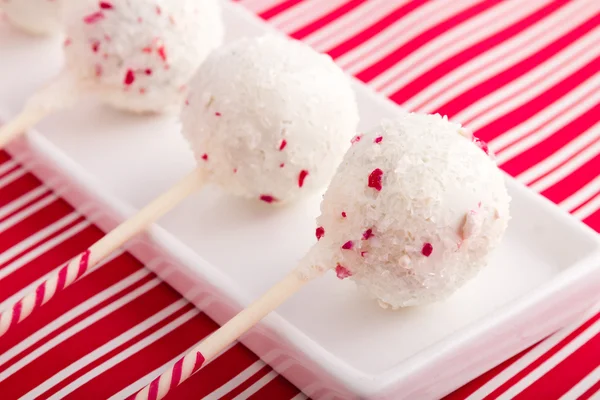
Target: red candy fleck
column 362, row 253
column 342, row 272
column 187, row 102
column 129, row 77
column 378, row 139
column 375, row 179
column 67, row 42
column 281, row 165
column 147, row 49
column 95, row 46
column 93, row 18
column 343, row 214
column 148, row 71
column 205, row 157
column 142, row 90
column 427, row 249
column 348, row 245
column 301, row 177
column 162, row 53
column 267, row 198
column 218, row 114
column 283, row 144
column 367, row 234
column 98, row 69
column 482, row 145
column 105, row 5
column 320, row 232
column 140, row 20
column 355, row 139
column 158, row 10
column 235, row 170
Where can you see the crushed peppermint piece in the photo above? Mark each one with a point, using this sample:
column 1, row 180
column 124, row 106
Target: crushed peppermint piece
column 375, row 179
column 320, row 232
column 129, row 77
column 301, row 177
column 348, row 245
column 282, row 144
column 355, row 139
column 367, row 234
column 427, row 249
column 205, row 157
column 267, row 198
column 93, row 18
column 378, row 139
column 105, row 5
column 342, row 272
column 343, row 214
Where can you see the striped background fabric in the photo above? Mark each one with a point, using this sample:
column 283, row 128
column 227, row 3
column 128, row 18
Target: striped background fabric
column 524, row 75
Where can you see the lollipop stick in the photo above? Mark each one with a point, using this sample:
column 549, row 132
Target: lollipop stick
column 61, row 93
column 223, row 337
column 86, row 261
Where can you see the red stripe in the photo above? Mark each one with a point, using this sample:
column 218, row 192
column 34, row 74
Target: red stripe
column 27, row 205
column 62, row 277
column 83, row 263
column 247, row 383
column 147, row 360
column 278, row 9
column 525, row 371
column 176, row 375
column 18, row 188
column 153, row 389
column 565, row 375
column 16, row 313
column 375, row 28
column 94, row 283
column 422, row 39
column 326, row 19
column 8, row 172
column 4, row 156
column 278, row 388
column 220, row 371
column 553, row 143
column 503, row 78
column 44, row 217
column 50, row 260
column 85, row 341
column 579, row 178
column 589, row 200
column 594, row 221
column 122, row 347
column 590, row 392
column 435, row 73
column 40, row 291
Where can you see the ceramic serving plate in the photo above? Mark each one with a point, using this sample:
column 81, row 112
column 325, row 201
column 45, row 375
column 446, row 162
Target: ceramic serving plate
column 222, row 252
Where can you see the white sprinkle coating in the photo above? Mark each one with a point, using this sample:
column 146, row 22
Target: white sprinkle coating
column 269, row 118
column 139, row 55
column 40, row 17
column 442, row 208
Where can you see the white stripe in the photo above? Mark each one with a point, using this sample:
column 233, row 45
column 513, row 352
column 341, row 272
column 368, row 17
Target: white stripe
column 498, row 58
column 552, row 362
column 452, row 41
column 13, row 176
column 567, row 169
column 21, row 201
column 36, row 238
column 351, row 23
column 78, row 327
column 32, row 209
column 259, row 384
column 110, row 346
column 41, row 249
column 582, row 194
column 400, row 32
column 583, row 385
column 560, row 156
column 588, row 209
column 236, row 380
column 536, row 81
column 300, row 396
column 547, row 122
column 530, row 357
column 595, row 396
column 303, row 13
column 7, row 166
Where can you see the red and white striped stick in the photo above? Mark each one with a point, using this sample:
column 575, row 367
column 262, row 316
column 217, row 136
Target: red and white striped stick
column 223, row 337
column 86, row 261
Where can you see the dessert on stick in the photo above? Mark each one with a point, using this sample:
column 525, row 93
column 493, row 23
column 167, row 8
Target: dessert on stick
column 276, row 131
column 38, row 17
column 413, row 212
column 135, row 55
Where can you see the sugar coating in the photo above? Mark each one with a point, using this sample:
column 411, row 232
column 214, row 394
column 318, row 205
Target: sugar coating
column 40, row 17
column 269, row 118
column 423, row 226
column 139, row 55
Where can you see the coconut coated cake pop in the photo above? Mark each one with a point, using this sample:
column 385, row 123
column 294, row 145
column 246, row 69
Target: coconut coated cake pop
column 139, row 55
column 269, row 118
column 413, row 212
column 40, row 17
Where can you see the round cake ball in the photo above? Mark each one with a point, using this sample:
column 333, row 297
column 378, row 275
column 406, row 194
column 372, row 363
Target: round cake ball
column 40, row 17
column 269, row 118
column 139, row 55
column 413, row 212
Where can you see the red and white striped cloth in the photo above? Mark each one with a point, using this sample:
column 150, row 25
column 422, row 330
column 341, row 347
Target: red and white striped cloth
column 525, row 75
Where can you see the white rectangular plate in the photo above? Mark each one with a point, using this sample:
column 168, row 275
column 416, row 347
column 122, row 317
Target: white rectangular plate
column 222, row 252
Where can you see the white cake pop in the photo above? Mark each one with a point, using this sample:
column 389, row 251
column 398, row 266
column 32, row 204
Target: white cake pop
column 413, row 212
column 40, row 17
column 139, row 55
column 269, row 118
